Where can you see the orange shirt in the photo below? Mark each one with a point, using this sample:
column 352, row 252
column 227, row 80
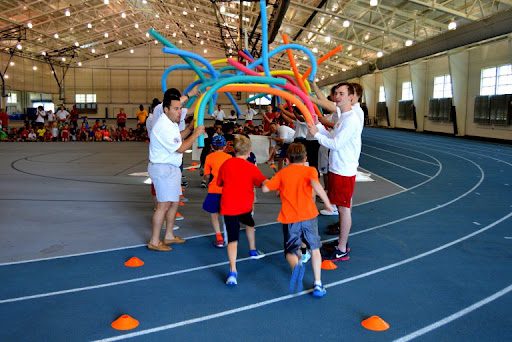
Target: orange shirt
column 212, row 165
column 296, row 192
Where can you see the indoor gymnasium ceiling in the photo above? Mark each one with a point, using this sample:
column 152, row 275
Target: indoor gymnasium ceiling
column 53, row 29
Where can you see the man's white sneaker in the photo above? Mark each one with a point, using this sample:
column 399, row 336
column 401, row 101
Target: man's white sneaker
column 329, row 213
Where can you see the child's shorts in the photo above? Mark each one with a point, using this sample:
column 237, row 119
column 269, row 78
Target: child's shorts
column 295, row 233
column 211, row 203
column 233, row 224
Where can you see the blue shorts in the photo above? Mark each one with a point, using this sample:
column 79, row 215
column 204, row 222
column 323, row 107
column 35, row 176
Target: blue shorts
column 211, row 203
column 283, row 151
column 296, row 233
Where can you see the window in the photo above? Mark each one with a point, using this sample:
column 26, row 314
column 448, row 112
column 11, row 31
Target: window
column 261, row 101
column 85, row 98
column 382, row 94
column 406, row 91
column 442, row 87
column 12, row 98
column 496, row 80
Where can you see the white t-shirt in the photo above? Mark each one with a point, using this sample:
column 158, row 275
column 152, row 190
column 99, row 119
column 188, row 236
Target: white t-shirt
column 286, row 133
column 62, row 114
column 164, row 141
column 359, row 111
column 40, row 116
column 153, row 117
column 249, row 114
column 219, row 115
column 51, row 116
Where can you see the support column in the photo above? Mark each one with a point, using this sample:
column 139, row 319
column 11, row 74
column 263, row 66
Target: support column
column 369, row 94
column 459, row 72
column 418, row 73
column 389, row 78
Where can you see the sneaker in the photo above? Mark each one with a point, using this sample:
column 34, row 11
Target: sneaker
column 337, row 255
column 179, row 217
column 335, row 243
column 256, row 254
column 204, row 185
column 305, row 257
column 184, row 183
column 330, row 213
column 183, row 199
column 319, row 291
column 219, row 243
column 173, row 228
column 231, row 280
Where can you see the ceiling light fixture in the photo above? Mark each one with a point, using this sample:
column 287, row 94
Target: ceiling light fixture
column 131, row 51
column 379, row 54
column 452, row 25
column 147, row 35
column 34, row 68
column 6, row 76
column 106, row 56
column 359, row 63
column 136, row 25
column 18, row 46
column 408, row 42
column 105, row 34
column 11, row 63
column 43, row 53
column 67, row 13
column 374, row 3
column 56, row 36
column 120, row 42
column 77, row 44
column 222, row 9
column 346, row 23
column 89, row 26
column 93, row 50
column 106, row 2
column 29, row 25
column 205, row 50
column 63, row 59
column 79, row 64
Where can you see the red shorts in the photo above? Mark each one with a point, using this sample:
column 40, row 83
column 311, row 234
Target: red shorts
column 153, row 191
column 340, row 189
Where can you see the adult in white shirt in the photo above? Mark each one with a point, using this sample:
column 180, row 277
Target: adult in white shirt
column 40, row 115
column 249, row 114
column 166, row 149
column 62, row 114
column 219, row 116
column 51, row 116
column 282, row 135
column 344, row 143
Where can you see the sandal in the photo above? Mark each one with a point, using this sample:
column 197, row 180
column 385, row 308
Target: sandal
column 161, row 247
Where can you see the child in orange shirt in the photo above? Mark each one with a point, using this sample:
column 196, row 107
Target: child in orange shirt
column 211, row 169
column 298, row 214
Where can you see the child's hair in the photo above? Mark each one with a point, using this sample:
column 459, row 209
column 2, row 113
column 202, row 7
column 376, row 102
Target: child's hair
column 296, row 153
column 242, row 145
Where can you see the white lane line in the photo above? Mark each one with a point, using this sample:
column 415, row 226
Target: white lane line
column 109, row 249
column 92, row 287
column 400, row 154
column 282, row 298
column 477, row 223
column 397, row 165
column 454, row 316
column 210, row 234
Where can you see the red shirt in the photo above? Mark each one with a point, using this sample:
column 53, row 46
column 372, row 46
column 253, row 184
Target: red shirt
column 238, row 177
column 121, row 117
column 4, row 119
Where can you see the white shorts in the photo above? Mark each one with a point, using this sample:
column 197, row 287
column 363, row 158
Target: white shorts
column 167, row 181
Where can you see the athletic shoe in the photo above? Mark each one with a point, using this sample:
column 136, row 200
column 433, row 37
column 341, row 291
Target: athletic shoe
column 294, row 277
column 305, row 257
column 231, row 280
column 319, row 291
column 173, row 228
column 179, row 217
column 204, row 185
column 256, row 254
column 219, row 243
column 183, row 199
column 184, row 183
column 330, row 213
column 335, row 243
column 337, row 255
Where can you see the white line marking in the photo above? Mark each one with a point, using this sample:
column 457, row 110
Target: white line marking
column 400, row 154
column 282, row 298
column 223, row 263
column 394, row 164
column 508, row 237
column 455, row 316
column 477, row 223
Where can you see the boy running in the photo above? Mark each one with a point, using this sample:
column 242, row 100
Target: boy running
column 238, row 177
column 212, row 165
column 295, row 184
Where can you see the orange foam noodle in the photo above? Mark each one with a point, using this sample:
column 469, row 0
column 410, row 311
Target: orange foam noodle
column 323, row 59
column 328, row 265
column 125, row 322
column 267, row 90
column 375, row 323
column 134, row 262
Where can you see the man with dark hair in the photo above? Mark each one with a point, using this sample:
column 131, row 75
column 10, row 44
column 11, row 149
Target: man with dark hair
column 165, row 158
column 344, row 143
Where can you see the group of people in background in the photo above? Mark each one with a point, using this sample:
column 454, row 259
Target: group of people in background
column 330, row 147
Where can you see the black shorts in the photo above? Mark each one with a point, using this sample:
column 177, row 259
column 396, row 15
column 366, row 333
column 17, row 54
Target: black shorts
column 233, row 224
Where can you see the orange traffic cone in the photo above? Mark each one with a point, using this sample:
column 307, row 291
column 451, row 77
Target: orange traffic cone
column 134, row 262
column 181, row 203
column 125, row 322
column 375, row 323
column 328, row 265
